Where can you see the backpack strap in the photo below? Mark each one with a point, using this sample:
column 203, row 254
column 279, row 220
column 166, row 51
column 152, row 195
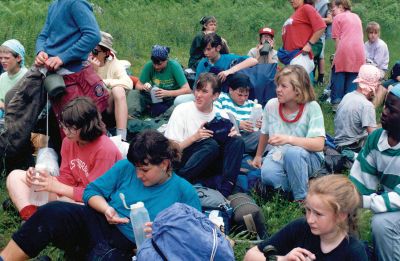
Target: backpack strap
column 215, row 244
column 158, row 250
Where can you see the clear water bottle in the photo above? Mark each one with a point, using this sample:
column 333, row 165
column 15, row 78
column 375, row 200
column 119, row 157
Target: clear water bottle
column 154, row 98
column 256, row 114
column 139, row 216
column 42, row 197
column 46, row 161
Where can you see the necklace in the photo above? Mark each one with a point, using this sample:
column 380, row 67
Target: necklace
column 298, row 116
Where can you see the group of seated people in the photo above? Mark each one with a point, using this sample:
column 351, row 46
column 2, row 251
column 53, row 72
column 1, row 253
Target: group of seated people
column 86, row 216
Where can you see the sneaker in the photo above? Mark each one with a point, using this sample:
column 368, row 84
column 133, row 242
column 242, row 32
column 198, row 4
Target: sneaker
column 335, row 107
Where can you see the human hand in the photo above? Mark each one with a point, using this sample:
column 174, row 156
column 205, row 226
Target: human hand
column 257, row 162
column 246, row 126
column 307, row 48
column 146, row 87
column 271, row 42
column 41, row 58
column 222, row 75
column 148, row 229
column 161, row 93
column 233, row 132
column 202, row 133
column 53, row 63
column 279, row 139
column 94, row 60
column 113, row 218
column 299, row 254
column 41, row 179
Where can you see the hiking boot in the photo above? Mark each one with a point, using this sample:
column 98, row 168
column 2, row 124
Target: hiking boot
column 267, row 192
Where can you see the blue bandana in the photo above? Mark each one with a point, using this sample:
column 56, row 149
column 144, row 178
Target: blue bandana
column 160, row 52
column 396, row 90
column 17, row 47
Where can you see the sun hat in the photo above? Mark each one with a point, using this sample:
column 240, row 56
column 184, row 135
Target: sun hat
column 17, row 47
column 266, row 30
column 107, row 41
column 368, row 78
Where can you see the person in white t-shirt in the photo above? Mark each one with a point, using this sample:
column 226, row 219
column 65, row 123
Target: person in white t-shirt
column 204, row 159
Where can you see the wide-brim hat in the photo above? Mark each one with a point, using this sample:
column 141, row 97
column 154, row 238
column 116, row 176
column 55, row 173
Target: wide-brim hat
column 368, row 77
column 107, row 41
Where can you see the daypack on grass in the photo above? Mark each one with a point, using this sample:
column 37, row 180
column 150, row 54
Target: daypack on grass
column 181, row 232
column 212, row 200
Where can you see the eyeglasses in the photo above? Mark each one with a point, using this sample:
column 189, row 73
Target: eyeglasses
column 72, row 130
column 95, row 52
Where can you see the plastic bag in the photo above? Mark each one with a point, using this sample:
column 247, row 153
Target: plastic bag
column 305, row 61
column 47, row 158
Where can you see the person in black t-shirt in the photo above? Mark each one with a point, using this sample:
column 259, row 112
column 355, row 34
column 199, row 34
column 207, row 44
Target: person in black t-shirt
column 327, row 231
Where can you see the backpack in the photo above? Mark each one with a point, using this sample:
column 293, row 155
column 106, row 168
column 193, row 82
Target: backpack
column 214, row 203
column 181, row 232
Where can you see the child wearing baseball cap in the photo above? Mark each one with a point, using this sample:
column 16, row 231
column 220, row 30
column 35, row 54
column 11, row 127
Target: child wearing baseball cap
column 264, row 51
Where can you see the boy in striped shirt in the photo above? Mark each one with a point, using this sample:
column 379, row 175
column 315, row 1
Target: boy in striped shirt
column 376, row 173
column 237, row 102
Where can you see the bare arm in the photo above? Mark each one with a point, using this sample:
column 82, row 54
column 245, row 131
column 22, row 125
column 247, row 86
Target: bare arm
column 370, row 129
column 100, row 204
column 262, row 143
column 245, row 64
column 185, row 89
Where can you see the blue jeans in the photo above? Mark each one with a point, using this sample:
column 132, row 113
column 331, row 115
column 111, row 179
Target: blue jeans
column 386, row 235
column 292, row 171
column 341, row 84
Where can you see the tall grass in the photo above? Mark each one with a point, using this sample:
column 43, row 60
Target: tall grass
column 138, row 24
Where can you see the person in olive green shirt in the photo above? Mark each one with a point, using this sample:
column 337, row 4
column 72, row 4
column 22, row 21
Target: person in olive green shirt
column 165, row 74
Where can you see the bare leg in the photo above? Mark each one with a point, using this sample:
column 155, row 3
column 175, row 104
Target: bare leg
column 254, row 254
column 13, row 252
column 18, row 189
column 120, row 107
column 379, row 96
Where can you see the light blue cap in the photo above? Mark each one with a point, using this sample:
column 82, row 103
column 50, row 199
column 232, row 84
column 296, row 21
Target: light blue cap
column 396, row 90
column 17, row 47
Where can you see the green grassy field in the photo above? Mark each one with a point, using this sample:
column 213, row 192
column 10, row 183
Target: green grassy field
column 139, row 24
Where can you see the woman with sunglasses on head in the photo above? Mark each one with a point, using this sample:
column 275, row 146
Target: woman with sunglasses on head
column 86, row 154
column 113, row 74
column 165, row 74
column 102, row 229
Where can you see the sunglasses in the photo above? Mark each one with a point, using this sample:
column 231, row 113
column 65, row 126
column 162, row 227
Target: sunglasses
column 95, row 52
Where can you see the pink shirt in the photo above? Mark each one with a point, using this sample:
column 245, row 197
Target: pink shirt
column 80, row 165
column 350, row 54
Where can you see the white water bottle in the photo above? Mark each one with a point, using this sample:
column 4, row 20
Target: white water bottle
column 139, row 216
column 154, row 98
column 256, row 114
column 42, row 197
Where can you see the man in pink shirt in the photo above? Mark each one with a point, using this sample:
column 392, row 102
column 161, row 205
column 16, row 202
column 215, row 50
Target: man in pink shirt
column 86, row 154
column 347, row 31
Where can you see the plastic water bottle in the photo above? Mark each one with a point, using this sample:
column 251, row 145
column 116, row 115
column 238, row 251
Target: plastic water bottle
column 139, row 216
column 256, row 114
column 42, row 197
column 154, row 98
column 46, row 161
